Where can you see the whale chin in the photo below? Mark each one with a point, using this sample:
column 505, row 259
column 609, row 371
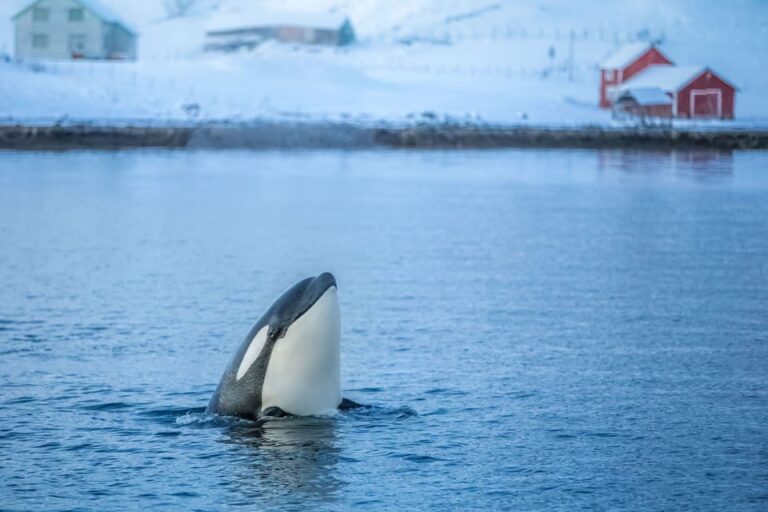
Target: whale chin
column 304, row 373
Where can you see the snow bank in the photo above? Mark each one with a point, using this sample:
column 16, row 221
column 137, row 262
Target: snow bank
column 529, row 61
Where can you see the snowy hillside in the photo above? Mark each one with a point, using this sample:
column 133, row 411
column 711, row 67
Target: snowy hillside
column 526, row 61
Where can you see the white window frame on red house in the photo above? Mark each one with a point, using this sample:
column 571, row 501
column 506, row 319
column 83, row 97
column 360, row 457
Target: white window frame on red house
column 704, row 92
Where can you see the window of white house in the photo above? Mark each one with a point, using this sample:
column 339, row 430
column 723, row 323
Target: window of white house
column 77, row 43
column 40, row 41
column 40, row 14
column 76, row 14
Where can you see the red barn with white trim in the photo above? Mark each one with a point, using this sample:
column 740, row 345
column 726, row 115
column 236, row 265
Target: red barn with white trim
column 624, row 64
column 696, row 91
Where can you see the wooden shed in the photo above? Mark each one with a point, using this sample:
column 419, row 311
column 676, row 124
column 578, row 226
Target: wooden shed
column 696, row 91
column 623, row 65
column 646, row 104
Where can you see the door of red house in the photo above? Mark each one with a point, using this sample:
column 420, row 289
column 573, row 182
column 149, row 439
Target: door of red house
column 706, row 103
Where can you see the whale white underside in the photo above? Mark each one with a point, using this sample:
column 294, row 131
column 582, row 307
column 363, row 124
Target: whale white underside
column 303, row 376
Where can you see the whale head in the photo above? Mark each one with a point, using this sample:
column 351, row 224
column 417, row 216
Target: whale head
column 303, row 376
column 291, row 358
column 301, row 298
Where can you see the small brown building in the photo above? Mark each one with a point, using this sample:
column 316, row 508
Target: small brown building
column 643, row 103
column 234, row 31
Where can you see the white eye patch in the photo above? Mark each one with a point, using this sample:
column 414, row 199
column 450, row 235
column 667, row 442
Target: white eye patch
column 254, row 349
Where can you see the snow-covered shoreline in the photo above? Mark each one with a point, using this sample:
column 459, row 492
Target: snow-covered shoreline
column 286, row 135
column 528, row 62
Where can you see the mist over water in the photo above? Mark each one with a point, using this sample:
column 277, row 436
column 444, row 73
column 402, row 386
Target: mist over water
column 555, row 329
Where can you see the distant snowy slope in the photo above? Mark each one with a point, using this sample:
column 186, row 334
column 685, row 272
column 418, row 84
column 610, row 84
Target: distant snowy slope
column 735, row 21
column 504, row 60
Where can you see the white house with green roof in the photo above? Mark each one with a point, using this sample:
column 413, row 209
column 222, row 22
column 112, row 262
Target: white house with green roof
column 72, row 29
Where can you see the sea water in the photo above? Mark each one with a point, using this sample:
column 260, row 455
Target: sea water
column 532, row 329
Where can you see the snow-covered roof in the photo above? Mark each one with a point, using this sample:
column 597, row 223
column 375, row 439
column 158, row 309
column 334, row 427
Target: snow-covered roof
column 96, row 7
column 105, row 13
column 647, row 95
column 100, row 10
column 666, row 78
column 625, row 56
column 264, row 18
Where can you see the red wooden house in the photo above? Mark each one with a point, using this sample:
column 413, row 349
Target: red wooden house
column 623, row 65
column 696, row 91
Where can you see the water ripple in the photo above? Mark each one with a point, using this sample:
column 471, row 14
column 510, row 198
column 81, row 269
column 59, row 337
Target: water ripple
column 556, row 330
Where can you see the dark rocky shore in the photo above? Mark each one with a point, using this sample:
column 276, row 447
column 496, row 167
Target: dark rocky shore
column 341, row 135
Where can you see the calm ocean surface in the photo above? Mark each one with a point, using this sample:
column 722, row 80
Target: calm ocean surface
column 535, row 330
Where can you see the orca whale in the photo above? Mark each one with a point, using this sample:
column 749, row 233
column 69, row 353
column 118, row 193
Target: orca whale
column 289, row 363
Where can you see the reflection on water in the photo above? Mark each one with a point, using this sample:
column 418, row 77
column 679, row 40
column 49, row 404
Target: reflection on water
column 286, row 456
column 700, row 164
column 704, row 164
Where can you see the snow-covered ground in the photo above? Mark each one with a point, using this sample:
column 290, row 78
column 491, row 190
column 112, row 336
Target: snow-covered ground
column 524, row 61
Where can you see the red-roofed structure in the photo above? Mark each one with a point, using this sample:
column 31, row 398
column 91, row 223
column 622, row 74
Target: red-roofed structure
column 624, row 64
column 696, row 91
